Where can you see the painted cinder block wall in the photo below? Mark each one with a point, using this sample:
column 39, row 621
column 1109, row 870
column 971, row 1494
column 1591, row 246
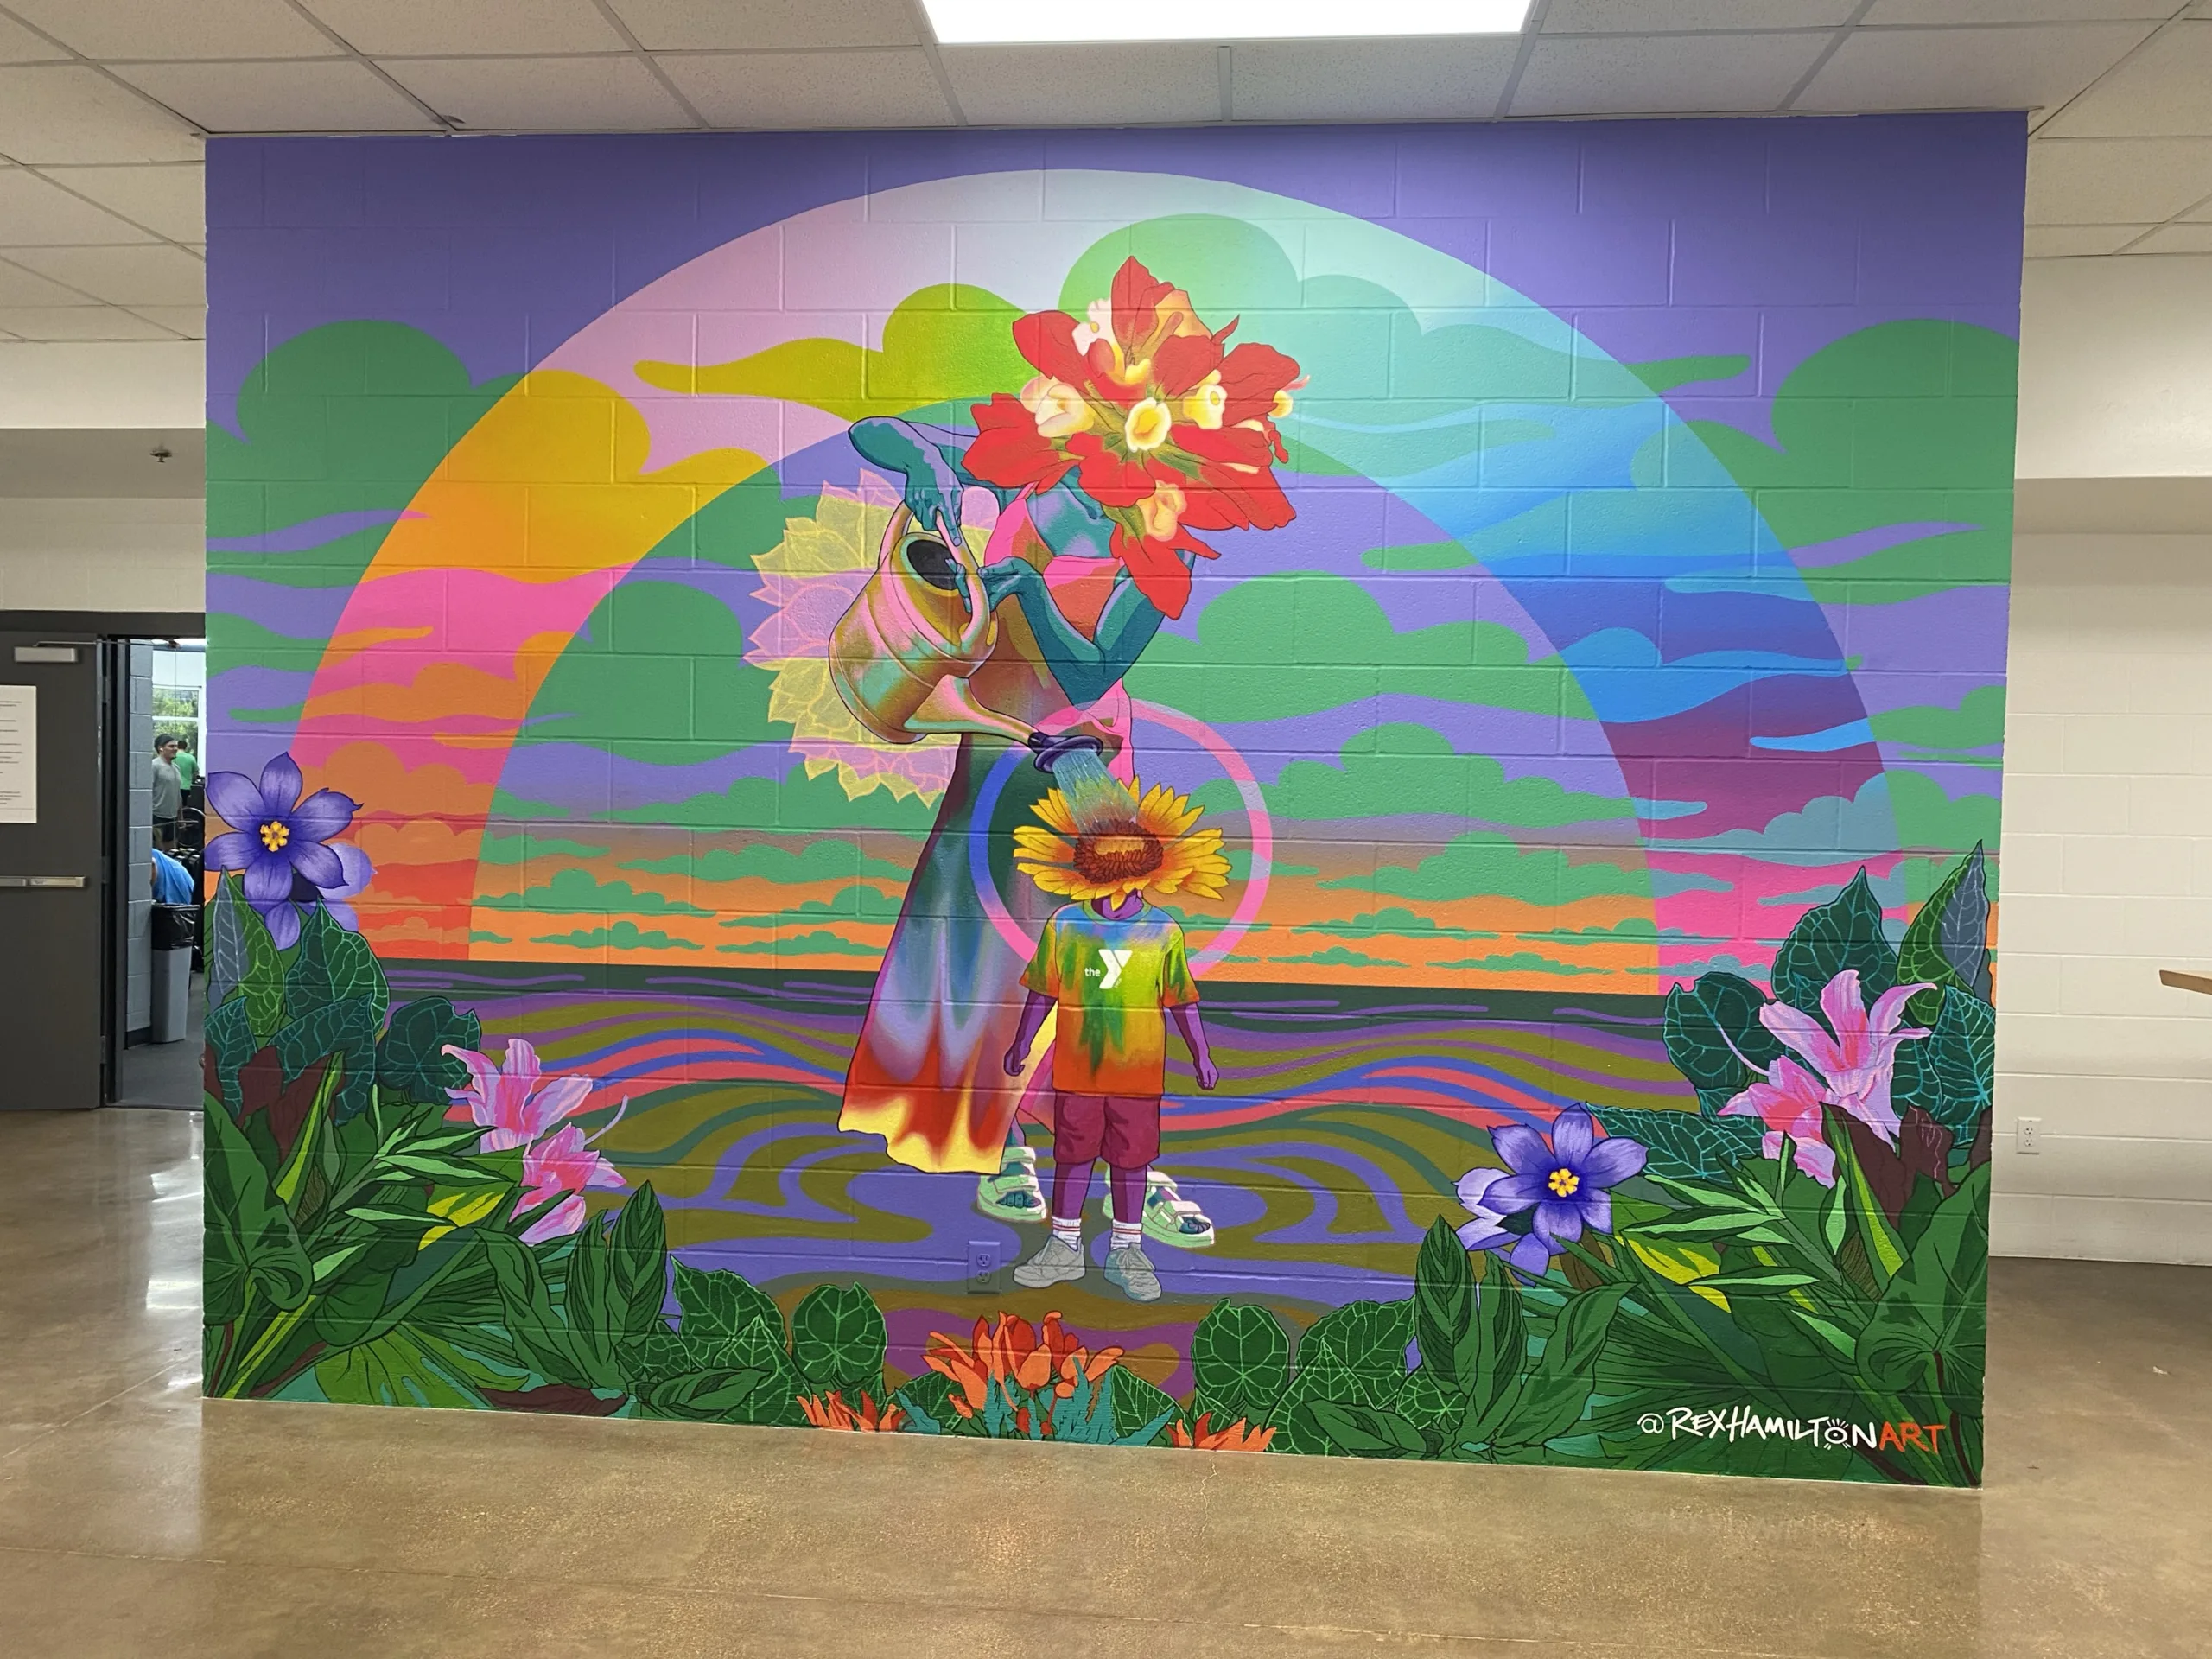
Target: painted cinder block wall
column 1605, row 710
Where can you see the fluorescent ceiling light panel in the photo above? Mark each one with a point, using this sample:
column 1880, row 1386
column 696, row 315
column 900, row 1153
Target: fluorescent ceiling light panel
column 1003, row 22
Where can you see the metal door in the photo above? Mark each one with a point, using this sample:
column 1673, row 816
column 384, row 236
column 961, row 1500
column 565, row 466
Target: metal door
column 52, row 978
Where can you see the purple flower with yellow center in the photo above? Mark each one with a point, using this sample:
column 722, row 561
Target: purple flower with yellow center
column 1561, row 1182
column 275, row 837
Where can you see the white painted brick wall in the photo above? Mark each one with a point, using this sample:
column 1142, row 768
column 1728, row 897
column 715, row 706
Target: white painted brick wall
column 103, row 555
column 2106, row 879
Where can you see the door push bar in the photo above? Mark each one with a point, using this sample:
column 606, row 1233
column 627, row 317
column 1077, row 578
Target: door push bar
column 42, row 880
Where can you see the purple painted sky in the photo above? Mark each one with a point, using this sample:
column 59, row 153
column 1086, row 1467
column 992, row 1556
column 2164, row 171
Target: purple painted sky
column 1765, row 238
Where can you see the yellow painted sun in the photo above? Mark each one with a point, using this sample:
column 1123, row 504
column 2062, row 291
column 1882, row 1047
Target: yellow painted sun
column 808, row 581
column 1156, row 850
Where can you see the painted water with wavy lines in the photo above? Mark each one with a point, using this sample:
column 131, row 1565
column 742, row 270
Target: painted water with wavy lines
column 1344, row 1118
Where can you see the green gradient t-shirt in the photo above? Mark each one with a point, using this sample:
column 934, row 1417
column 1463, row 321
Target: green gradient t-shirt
column 1113, row 981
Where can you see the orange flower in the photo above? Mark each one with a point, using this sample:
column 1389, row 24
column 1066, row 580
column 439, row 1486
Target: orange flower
column 1235, row 1438
column 830, row 1411
column 1016, row 1356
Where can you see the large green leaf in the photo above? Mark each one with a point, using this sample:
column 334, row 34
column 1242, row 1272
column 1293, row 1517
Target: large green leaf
column 721, row 1303
column 411, row 1059
column 1240, row 1365
column 1866, row 1223
column 637, row 1264
column 1929, row 1324
column 1845, row 933
column 1360, row 1430
column 1557, row 1390
column 1367, row 1339
column 408, row 1366
column 536, row 1328
column 1503, row 1329
column 1951, row 1074
column 1946, row 943
column 746, row 1378
column 1701, row 1144
column 1137, row 1403
column 838, row 1339
column 1444, row 1310
column 242, row 959
column 1714, row 1035
column 330, row 964
column 345, row 1030
column 251, row 1239
column 231, row 1044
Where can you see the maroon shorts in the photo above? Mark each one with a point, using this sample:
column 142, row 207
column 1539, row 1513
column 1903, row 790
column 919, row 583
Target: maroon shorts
column 1124, row 1128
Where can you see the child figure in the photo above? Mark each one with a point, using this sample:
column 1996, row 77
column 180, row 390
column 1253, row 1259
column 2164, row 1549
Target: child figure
column 1116, row 969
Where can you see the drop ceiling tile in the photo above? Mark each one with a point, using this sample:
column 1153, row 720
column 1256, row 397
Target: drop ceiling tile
column 426, row 28
column 2115, row 181
column 20, row 45
column 168, row 201
column 1075, row 86
column 34, row 212
column 1967, row 69
column 1669, row 16
column 2176, row 238
column 811, row 89
column 78, row 322
column 122, row 29
column 1369, row 80
column 2066, row 241
column 153, row 275
column 68, row 112
column 2166, row 88
column 24, row 287
column 341, row 97
column 1885, row 12
column 543, row 94
column 190, row 320
column 759, row 25
column 1667, row 74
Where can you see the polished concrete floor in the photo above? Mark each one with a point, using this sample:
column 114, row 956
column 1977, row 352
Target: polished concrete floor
column 136, row 1518
column 166, row 1075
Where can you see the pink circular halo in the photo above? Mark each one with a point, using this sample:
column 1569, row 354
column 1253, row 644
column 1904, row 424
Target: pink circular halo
column 1173, row 720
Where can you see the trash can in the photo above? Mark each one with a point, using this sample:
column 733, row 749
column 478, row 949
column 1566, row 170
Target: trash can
column 176, row 932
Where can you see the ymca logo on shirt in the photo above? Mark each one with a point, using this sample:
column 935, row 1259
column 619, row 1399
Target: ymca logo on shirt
column 1116, row 961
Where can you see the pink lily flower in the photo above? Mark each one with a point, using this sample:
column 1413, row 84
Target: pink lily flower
column 506, row 1101
column 562, row 1162
column 1860, row 1060
column 516, row 1105
column 1790, row 1099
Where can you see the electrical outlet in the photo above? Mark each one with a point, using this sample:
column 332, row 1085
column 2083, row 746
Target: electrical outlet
column 2027, row 1135
column 983, row 1267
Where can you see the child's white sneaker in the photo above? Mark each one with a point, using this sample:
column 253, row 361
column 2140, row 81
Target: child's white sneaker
column 1056, row 1263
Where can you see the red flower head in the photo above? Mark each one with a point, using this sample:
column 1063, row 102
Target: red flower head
column 1162, row 428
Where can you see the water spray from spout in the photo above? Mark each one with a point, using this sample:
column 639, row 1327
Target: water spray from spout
column 1098, row 802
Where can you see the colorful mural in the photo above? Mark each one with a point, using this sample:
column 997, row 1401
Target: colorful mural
column 1319, row 791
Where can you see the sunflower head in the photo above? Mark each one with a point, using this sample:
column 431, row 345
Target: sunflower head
column 1156, row 849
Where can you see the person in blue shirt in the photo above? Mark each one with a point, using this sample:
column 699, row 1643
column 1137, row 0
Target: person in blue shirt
column 172, row 881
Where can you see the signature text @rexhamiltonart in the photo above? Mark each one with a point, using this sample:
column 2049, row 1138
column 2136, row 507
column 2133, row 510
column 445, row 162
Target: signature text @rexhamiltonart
column 1744, row 1422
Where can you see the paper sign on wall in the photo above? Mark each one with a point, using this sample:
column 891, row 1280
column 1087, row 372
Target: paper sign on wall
column 18, row 754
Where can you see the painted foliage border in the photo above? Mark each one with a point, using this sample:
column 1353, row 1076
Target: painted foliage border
column 1789, row 1280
